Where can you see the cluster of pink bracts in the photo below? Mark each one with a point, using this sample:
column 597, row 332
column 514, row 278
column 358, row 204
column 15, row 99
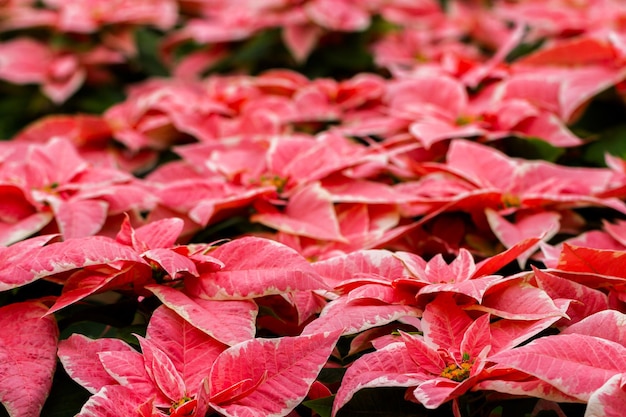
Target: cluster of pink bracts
column 380, row 210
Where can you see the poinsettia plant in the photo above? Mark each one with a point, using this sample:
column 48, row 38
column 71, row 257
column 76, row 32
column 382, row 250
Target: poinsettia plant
column 312, row 208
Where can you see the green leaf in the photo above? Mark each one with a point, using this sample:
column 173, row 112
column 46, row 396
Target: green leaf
column 263, row 51
column 148, row 41
column 331, row 375
column 605, row 111
column 322, row 406
column 383, row 402
column 66, row 397
column 19, row 106
column 612, row 141
column 531, row 148
column 523, row 49
column 340, row 55
column 95, row 330
column 97, row 100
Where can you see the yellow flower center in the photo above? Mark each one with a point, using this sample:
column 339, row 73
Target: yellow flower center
column 274, row 181
column 184, row 407
column 457, row 372
column 511, row 200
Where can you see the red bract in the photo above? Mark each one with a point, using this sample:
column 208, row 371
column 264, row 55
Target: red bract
column 363, row 226
column 252, row 268
column 221, row 178
column 510, row 184
column 368, row 300
column 593, row 347
column 546, row 358
column 140, row 257
column 560, row 18
column 441, row 365
column 308, row 213
column 77, row 16
column 91, row 136
column 559, row 89
column 82, row 199
column 541, row 225
column 26, row 61
column 60, row 72
column 599, row 269
column 609, row 400
column 183, row 371
column 12, row 275
column 154, row 111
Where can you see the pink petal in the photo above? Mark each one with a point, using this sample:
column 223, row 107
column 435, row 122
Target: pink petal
column 80, row 218
column 615, row 230
column 550, row 128
column 157, row 234
column 228, row 321
column 25, row 227
column 470, row 160
column 515, row 300
column 286, row 367
column 12, row 256
column 350, row 190
column 606, row 324
column 425, row 355
column 355, row 317
column 79, row 356
column 433, row 95
column 435, row 392
column 391, row 366
column 129, row 369
column 609, row 400
column 190, row 350
column 172, row 262
column 86, row 282
column 506, row 334
column 575, row 364
column 477, row 337
column 474, row 288
column 115, row 401
column 430, row 131
column 162, row 371
column 541, row 225
column 24, row 61
column 73, row 254
column 586, row 300
column 255, row 267
column 28, row 344
column 461, row 269
column 301, row 40
column 521, row 384
column 494, row 263
column 372, row 265
column 444, row 323
column 309, row 212
column 594, row 261
column 340, row 15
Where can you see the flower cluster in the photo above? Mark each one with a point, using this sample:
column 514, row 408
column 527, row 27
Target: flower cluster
column 249, row 223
